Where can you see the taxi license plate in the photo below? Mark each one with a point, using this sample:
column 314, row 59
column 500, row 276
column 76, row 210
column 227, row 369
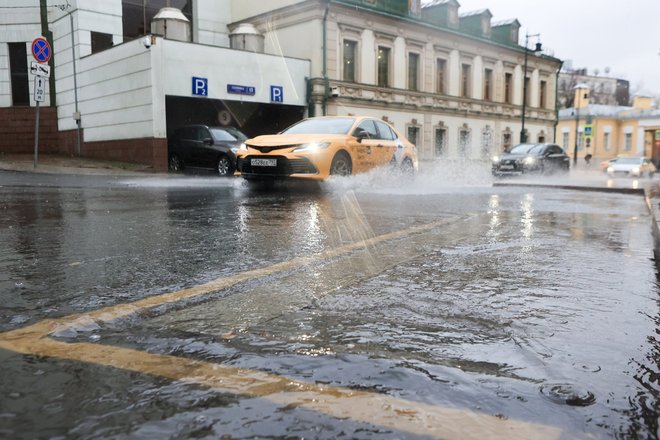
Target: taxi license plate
column 506, row 167
column 263, row 162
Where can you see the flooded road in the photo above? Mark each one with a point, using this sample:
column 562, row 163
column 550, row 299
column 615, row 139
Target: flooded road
column 367, row 307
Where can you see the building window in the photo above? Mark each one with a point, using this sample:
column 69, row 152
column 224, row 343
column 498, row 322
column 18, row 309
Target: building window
column 20, row 90
column 464, row 140
column 486, row 142
column 413, row 71
column 441, row 75
column 383, row 66
column 413, row 134
column 628, row 142
column 564, row 141
column 465, row 80
column 507, row 140
column 543, row 93
column 350, row 57
column 488, row 85
column 137, row 14
column 101, row 41
column 440, row 142
column 508, row 88
column 606, row 141
column 580, row 141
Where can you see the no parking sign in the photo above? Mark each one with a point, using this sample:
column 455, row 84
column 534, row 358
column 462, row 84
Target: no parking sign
column 41, row 50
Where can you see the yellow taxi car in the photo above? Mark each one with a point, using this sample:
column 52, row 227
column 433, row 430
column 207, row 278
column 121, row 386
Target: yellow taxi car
column 316, row 148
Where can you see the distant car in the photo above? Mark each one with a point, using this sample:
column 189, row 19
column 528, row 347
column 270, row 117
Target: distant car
column 316, row 148
column 604, row 165
column 632, row 166
column 204, row 147
column 531, row 158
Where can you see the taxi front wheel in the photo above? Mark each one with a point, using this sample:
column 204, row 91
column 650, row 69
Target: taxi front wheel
column 341, row 165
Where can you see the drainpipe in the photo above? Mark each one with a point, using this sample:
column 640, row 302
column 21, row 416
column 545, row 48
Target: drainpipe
column 325, row 58
column 561, row 64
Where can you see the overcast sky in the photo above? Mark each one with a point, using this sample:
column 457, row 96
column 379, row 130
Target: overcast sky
column 623, row 36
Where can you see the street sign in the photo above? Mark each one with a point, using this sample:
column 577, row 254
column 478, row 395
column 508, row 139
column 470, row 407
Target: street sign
column 241, row 90
column 39, row 69
column 41, row 50
column 39, row 88
column 200, row 86
column 588, row 131
column 276, row 94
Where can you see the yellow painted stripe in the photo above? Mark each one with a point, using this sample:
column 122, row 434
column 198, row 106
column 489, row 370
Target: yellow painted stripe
column 373, row 408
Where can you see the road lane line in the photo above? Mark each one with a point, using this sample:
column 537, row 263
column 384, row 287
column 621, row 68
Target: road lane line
column 343, row 403
column 369, row 407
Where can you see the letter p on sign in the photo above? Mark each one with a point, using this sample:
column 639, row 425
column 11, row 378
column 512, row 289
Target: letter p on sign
column 200, row 86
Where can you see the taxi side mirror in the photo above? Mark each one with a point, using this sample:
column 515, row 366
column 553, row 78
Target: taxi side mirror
column 360, row 135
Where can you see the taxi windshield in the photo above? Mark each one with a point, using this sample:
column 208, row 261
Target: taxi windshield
column 322, row 126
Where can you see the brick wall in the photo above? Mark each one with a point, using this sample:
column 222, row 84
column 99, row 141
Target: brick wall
column 17, row 136
column 150, row 151
column 17, row 130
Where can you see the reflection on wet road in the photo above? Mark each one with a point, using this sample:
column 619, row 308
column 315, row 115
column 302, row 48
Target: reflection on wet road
column 463, row 304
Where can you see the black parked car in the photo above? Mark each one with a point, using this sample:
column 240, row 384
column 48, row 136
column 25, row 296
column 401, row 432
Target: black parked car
column 201, row 146
column 531, row 158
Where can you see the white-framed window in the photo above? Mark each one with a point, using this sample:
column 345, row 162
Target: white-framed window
column 487, row 136
column 383, row 66
column 464, row 141
column 440, row 142
column 565, row 140
column 413, row 134
column 414, row 70
column 441, row 76
column 350, row 59
column 627, row 144
column 488, row 84
column 507, row 139
column 606, row 141
column 466, row 80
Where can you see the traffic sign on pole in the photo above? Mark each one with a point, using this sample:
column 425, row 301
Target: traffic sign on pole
column 39, row 89
column 39, row 69
column 41, row 50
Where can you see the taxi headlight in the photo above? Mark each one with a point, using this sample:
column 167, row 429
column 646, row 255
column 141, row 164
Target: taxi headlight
column 242, row 147
column 636, row 170
column 311, row 147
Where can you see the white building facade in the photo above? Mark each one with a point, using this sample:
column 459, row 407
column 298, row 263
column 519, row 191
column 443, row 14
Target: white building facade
column 128, row 94
column 452, row 82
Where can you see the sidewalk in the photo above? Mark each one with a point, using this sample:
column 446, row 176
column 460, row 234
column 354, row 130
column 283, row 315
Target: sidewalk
column 63, row 164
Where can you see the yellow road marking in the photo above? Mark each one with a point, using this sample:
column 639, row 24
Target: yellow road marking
column 373, row 408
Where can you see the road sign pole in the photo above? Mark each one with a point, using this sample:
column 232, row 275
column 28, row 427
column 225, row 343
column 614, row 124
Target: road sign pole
column 36, row 137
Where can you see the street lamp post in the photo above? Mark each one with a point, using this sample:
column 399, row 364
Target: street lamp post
column 537, row 52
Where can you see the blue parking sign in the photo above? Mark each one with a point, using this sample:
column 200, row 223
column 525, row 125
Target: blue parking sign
column 200, row 86
column 276, row 94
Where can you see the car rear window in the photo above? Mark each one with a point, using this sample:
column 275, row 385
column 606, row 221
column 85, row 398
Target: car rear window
column 220, row 134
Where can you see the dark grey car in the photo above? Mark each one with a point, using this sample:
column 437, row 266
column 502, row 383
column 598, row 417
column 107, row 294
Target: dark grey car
column 204, row 147
column 531, row 158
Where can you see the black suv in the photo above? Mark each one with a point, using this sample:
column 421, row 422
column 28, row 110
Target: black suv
column 201, row 146
column 531, row 158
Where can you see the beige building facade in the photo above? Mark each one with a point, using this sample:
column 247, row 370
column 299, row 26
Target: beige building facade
column 452, row 81
column 606, row 131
